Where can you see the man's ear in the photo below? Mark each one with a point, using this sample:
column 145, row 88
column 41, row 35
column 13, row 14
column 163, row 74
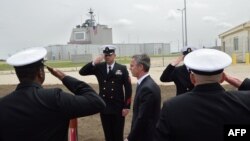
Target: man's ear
column 192, row 78
column 40, row 76
column 41, row 73
column 223, row 77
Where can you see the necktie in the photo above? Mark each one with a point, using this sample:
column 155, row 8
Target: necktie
column 109, row 69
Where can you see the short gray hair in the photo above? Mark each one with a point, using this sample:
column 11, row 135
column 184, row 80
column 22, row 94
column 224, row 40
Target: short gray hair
column 142, row 59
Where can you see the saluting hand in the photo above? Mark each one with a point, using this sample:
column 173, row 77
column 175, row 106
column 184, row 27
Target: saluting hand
column 232, row 80
column 57, row 73
column 98, row 59
column 178, row 60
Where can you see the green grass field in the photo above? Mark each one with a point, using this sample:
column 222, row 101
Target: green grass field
column 59, row 64
column 54, row 64
column 4, row 66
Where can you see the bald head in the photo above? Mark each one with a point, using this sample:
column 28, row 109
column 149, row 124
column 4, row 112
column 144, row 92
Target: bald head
column 198, row 79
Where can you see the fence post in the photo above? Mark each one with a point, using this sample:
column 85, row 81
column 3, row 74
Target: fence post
column 234, row 58
column 247, row 58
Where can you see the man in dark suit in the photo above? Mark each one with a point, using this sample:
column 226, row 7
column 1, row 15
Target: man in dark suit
column 32, row 113
column 147, row 102
column 179, row 74
column 208, row 111
column 113, row 78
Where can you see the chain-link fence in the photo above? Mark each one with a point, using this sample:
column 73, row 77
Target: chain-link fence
column 65, row 52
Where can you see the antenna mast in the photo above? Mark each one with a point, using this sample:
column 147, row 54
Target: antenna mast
column 92, row 17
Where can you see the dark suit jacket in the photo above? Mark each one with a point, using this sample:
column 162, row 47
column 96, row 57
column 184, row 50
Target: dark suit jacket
column 180, row 76
column 200, row 115
column 245, row 85
column 32, row 113
column 146, row 111
column 112, row 86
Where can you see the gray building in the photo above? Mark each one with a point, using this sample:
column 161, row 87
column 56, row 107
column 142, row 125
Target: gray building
column 90, row 33
column 86, row 41
column 70, row 51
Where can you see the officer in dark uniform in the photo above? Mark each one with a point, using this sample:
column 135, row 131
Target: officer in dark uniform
column 113, row 79
column 206, row 112
column 33, row 113
column 178, row 74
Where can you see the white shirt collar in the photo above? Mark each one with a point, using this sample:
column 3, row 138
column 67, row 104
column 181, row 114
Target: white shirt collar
column 112, row 65
column 142, row 78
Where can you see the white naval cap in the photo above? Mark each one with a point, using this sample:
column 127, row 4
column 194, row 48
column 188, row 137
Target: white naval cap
column 207, row 61
column 108, row 49
column 187, row 49
column 27, row 57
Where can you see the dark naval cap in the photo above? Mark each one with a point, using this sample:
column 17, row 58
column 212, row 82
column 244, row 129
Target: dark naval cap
column 187, row 49
column 207, row 61
column 108, row 49
column 31, row 57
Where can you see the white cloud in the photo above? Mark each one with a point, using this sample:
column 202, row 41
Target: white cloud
column 123, row 22
column 147, row 8
column 198, row 5
column 224, row 25
column 210, row 19
column 172, row 14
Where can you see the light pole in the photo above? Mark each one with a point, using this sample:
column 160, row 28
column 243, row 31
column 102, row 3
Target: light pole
column 185, row 8
column 182, row 28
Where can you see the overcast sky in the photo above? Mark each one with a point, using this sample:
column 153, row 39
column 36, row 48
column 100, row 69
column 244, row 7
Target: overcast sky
column 29, row 23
